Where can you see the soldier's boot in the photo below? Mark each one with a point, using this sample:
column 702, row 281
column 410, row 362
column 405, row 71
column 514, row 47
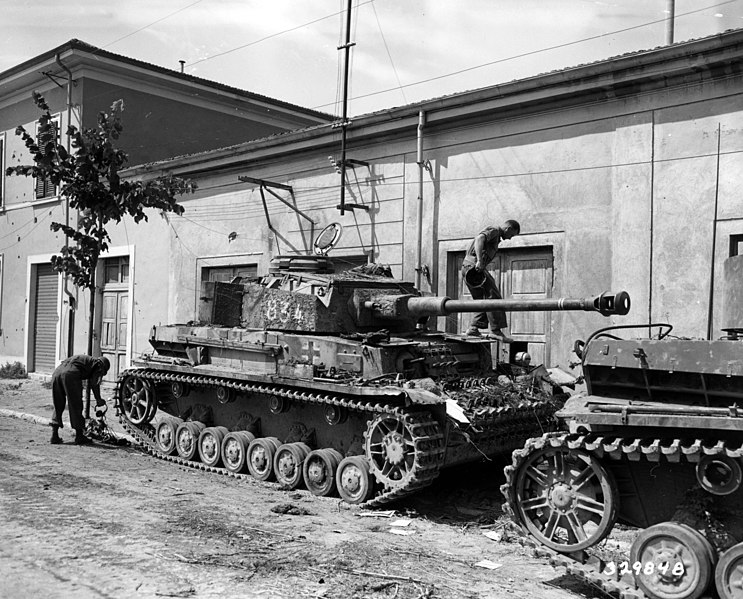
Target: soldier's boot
column 81, row 439
column 56, row 439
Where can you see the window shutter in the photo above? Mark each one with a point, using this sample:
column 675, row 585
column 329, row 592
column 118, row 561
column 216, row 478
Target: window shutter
column 44, row 186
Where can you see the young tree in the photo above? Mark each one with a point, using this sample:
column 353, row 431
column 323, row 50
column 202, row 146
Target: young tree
column 88, row 178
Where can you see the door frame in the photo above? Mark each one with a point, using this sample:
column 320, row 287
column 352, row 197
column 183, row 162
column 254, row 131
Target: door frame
column 32, row 264
column 524, row 241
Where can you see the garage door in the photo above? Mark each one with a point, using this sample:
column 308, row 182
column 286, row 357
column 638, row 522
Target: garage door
column 45, row 319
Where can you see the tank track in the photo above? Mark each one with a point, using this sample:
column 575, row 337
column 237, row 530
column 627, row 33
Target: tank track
column 426, row 436
column 581, row 564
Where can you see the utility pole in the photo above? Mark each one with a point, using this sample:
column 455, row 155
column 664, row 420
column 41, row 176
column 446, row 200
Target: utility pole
column 671, row 10
column 344, row 116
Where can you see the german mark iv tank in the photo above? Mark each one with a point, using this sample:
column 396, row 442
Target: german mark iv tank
column 657, row 444
column 330, row 381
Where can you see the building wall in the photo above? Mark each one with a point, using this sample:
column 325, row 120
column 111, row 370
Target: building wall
column 157, row 126
column 624, row 191
column 634, row 191
column 159, row 122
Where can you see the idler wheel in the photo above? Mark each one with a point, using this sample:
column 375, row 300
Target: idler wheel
column 260, row 457
column 137, row 400
column 319, row 470
column 287, row 464
column 719, row 475
column 165, row 434
column 210, row 444
column 235, row 450
column 729, row 573
column 354, row 479
column 565, row 498
column 674, row 560
column 187, row 439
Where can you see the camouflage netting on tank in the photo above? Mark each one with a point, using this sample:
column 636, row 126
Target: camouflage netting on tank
column 487, row 396
column 365, row 272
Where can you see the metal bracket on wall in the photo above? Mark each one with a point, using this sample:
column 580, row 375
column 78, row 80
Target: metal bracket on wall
column 341, row 166
column 267, row 185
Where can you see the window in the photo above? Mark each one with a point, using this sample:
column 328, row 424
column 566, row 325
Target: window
column 116, row 270
column 736, row 245
column 226, row 273
column 44, row 186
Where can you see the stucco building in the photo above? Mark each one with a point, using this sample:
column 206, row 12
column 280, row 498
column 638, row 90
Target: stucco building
column 624, row 174
column 166, row 113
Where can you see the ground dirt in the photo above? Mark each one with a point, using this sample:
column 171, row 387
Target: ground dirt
column 109, row 522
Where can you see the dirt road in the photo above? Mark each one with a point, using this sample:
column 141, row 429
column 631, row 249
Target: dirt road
column 105, row 521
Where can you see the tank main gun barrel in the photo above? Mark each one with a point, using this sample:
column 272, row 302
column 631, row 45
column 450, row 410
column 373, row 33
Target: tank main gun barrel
column 405, row 306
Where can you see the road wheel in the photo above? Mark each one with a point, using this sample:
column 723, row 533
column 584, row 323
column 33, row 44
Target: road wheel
column 319, row 470
column 675, row 561
column 260, row 457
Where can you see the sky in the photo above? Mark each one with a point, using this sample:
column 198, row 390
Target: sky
column 405, row 50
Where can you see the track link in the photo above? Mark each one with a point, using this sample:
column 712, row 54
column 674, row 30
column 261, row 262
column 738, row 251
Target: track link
column 581, row 564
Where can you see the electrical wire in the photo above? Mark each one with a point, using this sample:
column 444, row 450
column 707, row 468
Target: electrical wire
column 273, row 35
column 533, row 52
column 20, row 239
column 389, row 54
column 151, row 24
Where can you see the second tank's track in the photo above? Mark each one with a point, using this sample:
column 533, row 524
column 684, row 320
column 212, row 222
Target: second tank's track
column 581, row 564
column 427, row 438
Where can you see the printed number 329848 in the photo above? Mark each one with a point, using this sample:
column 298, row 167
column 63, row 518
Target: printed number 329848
column 647, row 568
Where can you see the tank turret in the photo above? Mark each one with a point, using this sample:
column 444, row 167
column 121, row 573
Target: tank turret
column 293, row 297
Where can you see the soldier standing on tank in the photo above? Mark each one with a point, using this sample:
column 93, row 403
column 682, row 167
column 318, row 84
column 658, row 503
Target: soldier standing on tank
column 67, row 386
column 479, row 255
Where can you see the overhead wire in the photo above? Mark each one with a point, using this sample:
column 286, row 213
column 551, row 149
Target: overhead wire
column 533, row 52
column 273, row 35
column 153, row 23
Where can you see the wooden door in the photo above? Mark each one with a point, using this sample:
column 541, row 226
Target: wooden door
column 114, row 328
column 527, row 274
column 114, row 314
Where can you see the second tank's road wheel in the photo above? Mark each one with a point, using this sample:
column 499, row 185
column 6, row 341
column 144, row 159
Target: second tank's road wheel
column 235, row 450
column 165, row 434
column 137, row 400
column 729, row 573
column 319, row 470
column 354, row 479
column 565, row 498
column 210, row 444
column 187, row 439
column 674, row 560
column 260, row 457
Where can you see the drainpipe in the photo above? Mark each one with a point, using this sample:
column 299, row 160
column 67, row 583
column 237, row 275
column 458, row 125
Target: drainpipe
column 70, row 297
column 421, row 168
